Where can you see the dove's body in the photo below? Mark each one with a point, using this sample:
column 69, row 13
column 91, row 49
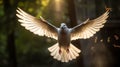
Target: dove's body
column 64, row 37
column 63, row 50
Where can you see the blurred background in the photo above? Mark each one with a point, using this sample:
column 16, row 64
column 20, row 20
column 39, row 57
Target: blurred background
column 21, row 48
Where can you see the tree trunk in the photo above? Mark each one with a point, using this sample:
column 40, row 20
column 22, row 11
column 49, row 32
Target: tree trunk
column 9, row 10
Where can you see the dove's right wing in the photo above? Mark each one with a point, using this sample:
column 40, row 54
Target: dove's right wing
column 88, row 28
column 35, row 25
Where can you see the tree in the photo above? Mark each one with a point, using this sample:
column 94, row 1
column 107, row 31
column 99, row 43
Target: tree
column 9, row 9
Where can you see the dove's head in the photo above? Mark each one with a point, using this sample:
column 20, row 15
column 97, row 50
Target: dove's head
column 63, row 26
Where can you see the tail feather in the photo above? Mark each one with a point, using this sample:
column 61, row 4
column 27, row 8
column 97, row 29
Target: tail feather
column 64, row 56
column 51, row 49
column 55, row 51
column 74, row 48
column 72, row 55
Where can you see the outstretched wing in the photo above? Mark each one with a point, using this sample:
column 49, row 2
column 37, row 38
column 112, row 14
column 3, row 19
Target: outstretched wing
column 88, row 28
column 35, row 25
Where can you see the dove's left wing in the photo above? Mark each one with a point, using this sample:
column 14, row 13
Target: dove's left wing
column 35, row 25
column 88, row 28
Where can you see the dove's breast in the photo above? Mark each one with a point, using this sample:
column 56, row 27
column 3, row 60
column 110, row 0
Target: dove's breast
column 64, row 38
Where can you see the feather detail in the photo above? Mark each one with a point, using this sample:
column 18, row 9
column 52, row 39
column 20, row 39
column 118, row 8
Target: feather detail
column 64, row 56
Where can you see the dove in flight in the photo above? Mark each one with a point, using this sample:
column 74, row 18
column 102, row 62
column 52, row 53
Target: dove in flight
column 63, row 50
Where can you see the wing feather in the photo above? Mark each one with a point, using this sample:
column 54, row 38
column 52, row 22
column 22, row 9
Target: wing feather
column 38, row 26
column 88, row 28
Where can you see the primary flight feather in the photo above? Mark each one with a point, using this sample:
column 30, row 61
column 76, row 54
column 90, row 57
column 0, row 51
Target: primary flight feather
column 63, row 50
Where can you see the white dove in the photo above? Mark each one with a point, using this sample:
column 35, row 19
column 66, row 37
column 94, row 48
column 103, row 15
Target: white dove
column 63, row 50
